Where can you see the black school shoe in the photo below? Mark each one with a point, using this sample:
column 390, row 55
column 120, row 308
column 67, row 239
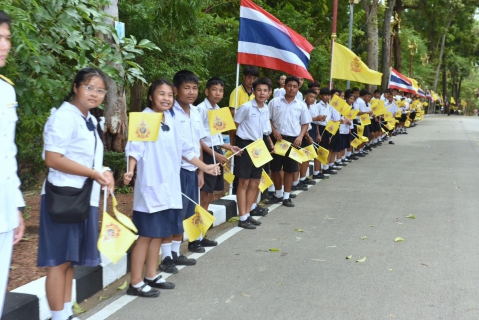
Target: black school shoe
column 330, row 171
column 195, row 246
column 246, row 225
column 340, row 164
column 288, row 203
column 346, row 160
column 253, row 221
column 291, row 196
column 205, row 242
column 168, row 266
column 153, row 293
column 258, row 212
column 161, row 285
column 308, row 181
column 181, row 260
column 299, row 186
column 391, row 142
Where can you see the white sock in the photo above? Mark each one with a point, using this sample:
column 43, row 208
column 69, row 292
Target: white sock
column 145, row 289
column 247, row 215
column 302, row 179
column 200, row 238
column 338, row 160
column 271, row 188
column 344, row 157
column 175, row 246
column 326, row 167
column 279, row 193
column 295, row 183
column 253, row 206
column 361, row 150
column 286, row 196
column 161, row 280
column 348, row 153
column 315, row 172
column 243, row 218
column 166, row 250
column 331, row 164
column 68, row 308
column 59, row 315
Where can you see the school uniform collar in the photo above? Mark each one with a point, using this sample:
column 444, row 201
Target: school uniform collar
column 255, row 104
column 244, row 89
column 68, row 106
column 208, row 105
column 177, row 106
column 294, row 101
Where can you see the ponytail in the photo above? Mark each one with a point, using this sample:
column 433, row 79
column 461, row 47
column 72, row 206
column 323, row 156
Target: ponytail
column 97, row 114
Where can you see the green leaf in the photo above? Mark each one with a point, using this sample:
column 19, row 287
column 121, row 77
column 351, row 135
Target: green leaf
column 77, row 309
column 104, row 297
column 364, row 238
column 298, row 230
column 411, row 216
column 399, row 239
column 361, row 260
column 233, row 219
column 274, row 249
column 123, row 286
column 349, row 257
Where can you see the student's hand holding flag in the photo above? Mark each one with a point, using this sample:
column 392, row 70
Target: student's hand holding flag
column 220, row 158
column 277, row 135
column 212, row 169
column 236, row 150
column 297, row 141
column 109, row 175
column 127, row 177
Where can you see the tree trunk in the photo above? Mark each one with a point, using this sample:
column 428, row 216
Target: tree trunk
column 398, row 8
column 136, row 96
column 386, row 45
column 443, row 44
column 115, row 105
column 459, row 89
column 371, row 8
column 444, row 89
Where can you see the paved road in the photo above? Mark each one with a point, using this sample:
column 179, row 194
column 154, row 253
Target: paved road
column 430, row 173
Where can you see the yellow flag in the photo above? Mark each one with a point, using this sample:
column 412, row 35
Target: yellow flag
column 322, row 155
column 122, row 218
column 382, row 129
column 229, row 154
column 332, row 127
column 227, row 175
column 337, row 103
column 144, row 126
column 351, row 114
column 407, row 123
column 463, row 103
column 398, row 114
column 296, row 155
column 388, row 116
column 265, row 181
column 347, row 66
column 115, row 239
column 401, row 103
column 356, row 143
column 377, row 107
column 453, row 101
column 425, row 104
column 309, row 153
column 365, row 139
column 220, row 120
column 281, row 147
column 259, row 153
column 360, row 130
column 198, row 224
column 364, row 118
column 390, row 126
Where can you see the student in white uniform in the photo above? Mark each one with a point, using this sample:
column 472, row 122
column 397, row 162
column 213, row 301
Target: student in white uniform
column 157, row 206
column 290, row 119
column 252, row 122
column 11, row 203
column 281, row 79
column 73, row 152
column 282, row 91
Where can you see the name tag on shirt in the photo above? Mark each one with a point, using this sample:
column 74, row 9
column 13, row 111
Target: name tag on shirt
column 12, row 105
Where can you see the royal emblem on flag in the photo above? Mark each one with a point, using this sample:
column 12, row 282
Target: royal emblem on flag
column 219, row 124
column 143, row 130
column 356, row 65
column 256, row 152
column 112, row 232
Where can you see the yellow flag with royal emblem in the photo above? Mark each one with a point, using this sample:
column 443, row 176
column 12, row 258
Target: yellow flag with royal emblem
column 296, row 155
column 350, row 114
column 309, row 153
column 365, row 139
column 388, row 116
column 265, row 182
column 364, row 118
column 332, row 127
column 407, row 123
column 281, row 147
column 220, row 120
column 144, row 126
column 347, row 66
column 259, row 153
column 198, row 224
column 356, row 143
column 323, row 155
column 360, row 130
column 398, row 114
column 338, row 103
column 115, row 239
column 227, row 175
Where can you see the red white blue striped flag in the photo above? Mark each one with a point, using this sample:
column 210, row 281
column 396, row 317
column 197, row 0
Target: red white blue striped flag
column 400, row 82
column 264, row 41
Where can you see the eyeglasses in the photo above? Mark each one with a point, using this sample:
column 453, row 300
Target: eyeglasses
column 165, row 127
column 90, row 90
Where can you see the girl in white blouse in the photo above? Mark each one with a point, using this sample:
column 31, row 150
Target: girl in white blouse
column 73, row 152
column 157, row 197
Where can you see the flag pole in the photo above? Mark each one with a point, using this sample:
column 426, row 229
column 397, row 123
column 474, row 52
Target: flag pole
column 333, row 39
column 236, row 107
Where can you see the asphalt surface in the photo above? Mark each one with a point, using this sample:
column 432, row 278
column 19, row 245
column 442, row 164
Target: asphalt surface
column 430, row 173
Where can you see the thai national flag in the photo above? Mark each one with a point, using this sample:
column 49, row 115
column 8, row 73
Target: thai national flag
column 266, row 42
column 400, row 82
column 428, row 94
column 420, row 92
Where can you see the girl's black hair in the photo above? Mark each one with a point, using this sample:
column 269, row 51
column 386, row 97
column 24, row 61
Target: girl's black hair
column 83, row 76
column 5, row 18
column 151, row 90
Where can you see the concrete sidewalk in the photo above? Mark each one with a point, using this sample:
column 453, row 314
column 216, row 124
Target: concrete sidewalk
column 430, row 173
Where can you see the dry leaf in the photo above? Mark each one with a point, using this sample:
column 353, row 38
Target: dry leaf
column 361, row 260
column 245, row 295
column 399, row 239
column 318, row 260
column 104, row 297
column 411, row 216
column 298, row 230
column 274, row 249
column 349, row 257
column 77, row 309
column 364, row 238
column 123, row 286
column 233, row 219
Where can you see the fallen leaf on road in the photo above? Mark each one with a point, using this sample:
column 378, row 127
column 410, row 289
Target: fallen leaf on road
column 361, row 260
column 390, row 269
column 318, row 260
column 123, row 286
column 399, row 239
column 104, row 297
column 423, row 264
column 245, row 295
column 77, row 309
column 392, row 316
column 411, row 216
column 349, row 257
column 298, row 230
column 371, row 225
column 274, row 249
column 364, row 238
column 233, row 219
column 331, row 246
column 25, row 239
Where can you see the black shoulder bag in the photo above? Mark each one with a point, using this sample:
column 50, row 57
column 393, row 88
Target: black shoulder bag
column 68, row 204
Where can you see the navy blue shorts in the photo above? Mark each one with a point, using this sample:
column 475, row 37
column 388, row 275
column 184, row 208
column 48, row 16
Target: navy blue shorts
column 68, row 242
column 189, row 186
column 160, row 224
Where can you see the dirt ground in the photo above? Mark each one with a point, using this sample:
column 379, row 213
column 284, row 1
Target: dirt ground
column 24, row 268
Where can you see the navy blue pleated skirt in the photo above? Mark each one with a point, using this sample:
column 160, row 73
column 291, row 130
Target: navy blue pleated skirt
column 161, row 224
column 73, row 242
